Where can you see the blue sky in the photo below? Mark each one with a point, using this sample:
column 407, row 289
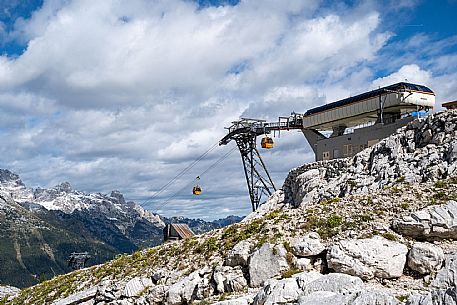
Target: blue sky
column 125, row 94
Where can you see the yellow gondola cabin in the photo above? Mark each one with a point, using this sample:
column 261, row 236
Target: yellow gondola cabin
column 267, row 142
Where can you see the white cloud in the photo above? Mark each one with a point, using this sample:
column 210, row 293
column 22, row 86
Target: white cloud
column 125, row 94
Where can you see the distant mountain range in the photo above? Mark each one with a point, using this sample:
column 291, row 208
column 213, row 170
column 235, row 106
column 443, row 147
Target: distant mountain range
column 39, row 228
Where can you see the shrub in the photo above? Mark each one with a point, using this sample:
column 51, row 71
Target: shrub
column 290, row 272
column 401, row 179
column 440, row 184
column 389, row 236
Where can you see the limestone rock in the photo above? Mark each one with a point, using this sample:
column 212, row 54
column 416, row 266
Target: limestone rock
column 368, row 258
column 324, row 298
column 78, row 297
column 434, row 297
column 244, row 300
column 188, row 289
column 267, row 262
column 278, row 292
column 313, row 285
column 136, row 285
column 447, row 276
column 422, row 151
column 303, row 264
column 6, row 291
column 334, row 282
column 309, row 245
column 425, row 258
column 229, row 279
column 239, row 255
column 375, row 297
column 439, row 221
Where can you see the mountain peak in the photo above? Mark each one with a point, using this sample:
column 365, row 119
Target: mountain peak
column 64, row 187
column 118, row 195
column 6, row 176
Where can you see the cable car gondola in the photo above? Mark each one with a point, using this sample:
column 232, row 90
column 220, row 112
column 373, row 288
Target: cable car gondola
column 197, row 190
column 267, row 142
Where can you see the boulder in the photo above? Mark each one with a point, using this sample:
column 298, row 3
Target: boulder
column 244, row 300
column 78, row 297
column 334, row 282
column 239, row 255
column 6, row 291
column 308, row 245
column 136, row 286
column 278, row 292
column 374, row 297
column 267, row 262
column 324, row 298
column 434, row 297
column 447, row 276
column 434, row 222
column 368, row 258
column 303, row 264
column 193, row 287
column 229, row 279
column 425, row 258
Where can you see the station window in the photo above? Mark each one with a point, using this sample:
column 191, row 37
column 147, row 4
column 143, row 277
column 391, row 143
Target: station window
column 347, row 150
column 326, row 155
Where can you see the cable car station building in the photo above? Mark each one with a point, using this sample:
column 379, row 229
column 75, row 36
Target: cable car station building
column 361, row 121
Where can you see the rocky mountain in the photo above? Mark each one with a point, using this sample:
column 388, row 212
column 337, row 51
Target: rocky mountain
column 41, row 227
column 378, row 228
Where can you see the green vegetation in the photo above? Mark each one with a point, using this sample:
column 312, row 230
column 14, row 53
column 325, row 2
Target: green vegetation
column 400, row 179
column 404, row 205
column 352, row 182
column 402, row 298
column 389, row 236
column 440, row 184
column 290, row 272
column 395, row 190
column 330, row 200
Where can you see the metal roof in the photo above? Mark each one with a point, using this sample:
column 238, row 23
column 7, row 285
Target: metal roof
column 183, row 230
column 370, row 94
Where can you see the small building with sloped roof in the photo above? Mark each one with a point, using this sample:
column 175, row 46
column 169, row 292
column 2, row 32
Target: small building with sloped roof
column 176, row 231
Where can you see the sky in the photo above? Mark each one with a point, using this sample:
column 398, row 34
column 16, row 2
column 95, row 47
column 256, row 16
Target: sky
column 125, row 94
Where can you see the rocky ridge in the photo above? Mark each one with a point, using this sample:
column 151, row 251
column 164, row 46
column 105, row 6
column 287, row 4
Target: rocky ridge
column 350, row 238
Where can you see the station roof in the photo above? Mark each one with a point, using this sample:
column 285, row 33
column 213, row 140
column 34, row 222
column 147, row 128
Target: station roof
column 450, row 105
column 370, row 94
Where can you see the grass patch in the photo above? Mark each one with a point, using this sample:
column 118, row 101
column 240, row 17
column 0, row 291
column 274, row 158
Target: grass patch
column 440, row 184
column 290, row 272
column 389, row 236
column 400, row 179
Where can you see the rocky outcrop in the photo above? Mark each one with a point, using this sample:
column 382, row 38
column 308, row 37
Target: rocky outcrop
column 368, row 258
column 439, row 221
column 78, row 297
column 6, row 291
column 308, row 245
column 136, row 286
column 424, row 150
column 314, row 289
column 229, row 279
column 192, row 287
column 425, row 258
column 239, row 255
column 265, row 263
